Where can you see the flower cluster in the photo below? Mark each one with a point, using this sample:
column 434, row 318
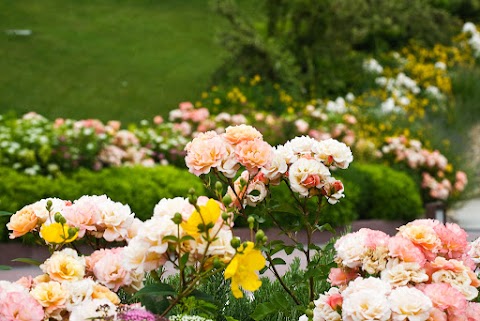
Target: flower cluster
column 198, row 235
column 425, row 272
column 433, row 167
column 57, row 221
column 303, row 161
column 63, row 290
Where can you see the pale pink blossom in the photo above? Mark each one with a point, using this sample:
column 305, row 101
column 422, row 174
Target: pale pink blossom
column 405, row 250
column 409, row 304
column 185, row 106
column 275, row 170
column 454, row 240
column 20, row 306
column 332, row 189
column 326, row 306
column 341, row 277
column 445, row 297
column 109, row 271
column 302, row 126
column 473, row 311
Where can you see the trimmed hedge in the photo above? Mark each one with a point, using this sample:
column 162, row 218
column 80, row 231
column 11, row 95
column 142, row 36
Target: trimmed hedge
column 139, row 187
column 372, row 192
column 384, row 193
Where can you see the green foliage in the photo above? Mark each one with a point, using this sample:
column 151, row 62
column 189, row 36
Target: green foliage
column 385, row 193
column 317, row 47
column 139, row 187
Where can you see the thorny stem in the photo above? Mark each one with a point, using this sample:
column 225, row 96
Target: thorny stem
column 279, row 278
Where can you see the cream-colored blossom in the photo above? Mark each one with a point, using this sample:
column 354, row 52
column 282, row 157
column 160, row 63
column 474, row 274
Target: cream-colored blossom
column 65, row 265
column 398, row 273
column 409, row 304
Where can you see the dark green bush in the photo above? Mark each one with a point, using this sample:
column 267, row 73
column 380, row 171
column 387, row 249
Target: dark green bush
column 139, row 187
column 385, row 193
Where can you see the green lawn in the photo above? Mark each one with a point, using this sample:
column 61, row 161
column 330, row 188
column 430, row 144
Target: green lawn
column 107, row 59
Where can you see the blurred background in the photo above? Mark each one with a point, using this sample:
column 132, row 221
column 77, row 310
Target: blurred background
column 397, row 81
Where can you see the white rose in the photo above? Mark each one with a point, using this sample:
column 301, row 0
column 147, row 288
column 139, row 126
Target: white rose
column 400, row 273
column 302, row 145
column 409, row 303
column 277, row 167
column 301, row 171
column 253, row 200
column 323, row 311
column 170, row 206
column 351, row 249
column 366, row 305
column 331, row 151
column 117, row 219
column 79, row 291
column 89, row 310
column 220, row 247
column 361, row 284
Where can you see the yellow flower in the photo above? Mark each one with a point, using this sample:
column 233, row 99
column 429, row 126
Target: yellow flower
column 209, row 214
column 57, row 233
column 242, row 269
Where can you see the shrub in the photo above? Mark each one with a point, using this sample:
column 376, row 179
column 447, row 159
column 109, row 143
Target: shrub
column 139, row 187
column 385, row 193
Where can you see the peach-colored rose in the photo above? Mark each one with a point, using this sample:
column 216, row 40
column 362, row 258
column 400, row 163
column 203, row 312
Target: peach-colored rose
column 64, row 265
column 204, row 152
column 423, row 236
column 237, row 134
column 22, row 222
column 338, row 276
column 100, row 292
column 254, row 154
column 51, row 295
column 437, row 315
column 26, row 282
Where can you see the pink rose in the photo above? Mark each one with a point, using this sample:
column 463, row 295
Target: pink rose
column 339, row 277
column 20, row 306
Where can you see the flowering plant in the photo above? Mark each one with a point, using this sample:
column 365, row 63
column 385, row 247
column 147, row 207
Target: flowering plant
column 438, row 181
column 194, row 235
column 424, row 272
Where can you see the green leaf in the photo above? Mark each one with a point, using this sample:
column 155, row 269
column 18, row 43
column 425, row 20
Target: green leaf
column 171, row 238
column 27, row 260
column 289, row 249
column 279, row 299
column 326, row 227
column 262, row 311
column 3, row 213
column 229, row 318
column 159, row 289
column 183, row 260
column 5, row 267
column 187, row 238
column 278, row 261
column 154, row 297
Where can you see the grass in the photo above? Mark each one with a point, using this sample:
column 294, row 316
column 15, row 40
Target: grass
column 106, row 59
